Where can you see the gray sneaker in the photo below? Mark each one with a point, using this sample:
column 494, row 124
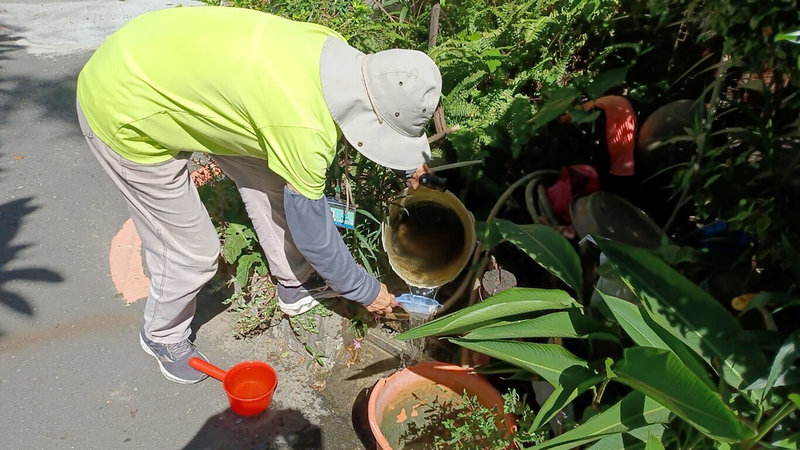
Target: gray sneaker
column 173, row 359
column 296, row 300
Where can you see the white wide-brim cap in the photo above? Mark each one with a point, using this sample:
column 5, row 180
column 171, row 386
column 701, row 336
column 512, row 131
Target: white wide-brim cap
column 381, row 101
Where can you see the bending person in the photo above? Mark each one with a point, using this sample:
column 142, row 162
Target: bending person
column 269, row 98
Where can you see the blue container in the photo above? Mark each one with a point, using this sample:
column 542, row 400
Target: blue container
column 418, row 304
column 343, row 217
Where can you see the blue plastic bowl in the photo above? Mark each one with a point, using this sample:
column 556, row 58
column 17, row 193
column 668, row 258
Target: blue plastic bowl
column 418, row 304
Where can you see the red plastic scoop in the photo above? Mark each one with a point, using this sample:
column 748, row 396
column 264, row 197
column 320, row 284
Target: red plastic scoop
column 249, row 385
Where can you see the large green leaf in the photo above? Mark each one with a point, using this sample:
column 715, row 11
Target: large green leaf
column 661, row 375
column 795, row 398
column 568, row 324
column 236, row 240
column 246, row 262
column 792, row 36
column 644, row 433
column 632, row 412
column 243, row 268
column 488, row 234
column 618, row 441
column 791, row 441
column 497, row 368
column 654, row 443
column 508, row 303
column 635, row 439
column 784, row 359
column 644, row 331
column 606, row 81
column 558, row 103
column 578, row 115
column 687, row 311
column 548, row 248
column 547, row 360
column 788, row 378
column 572, row 382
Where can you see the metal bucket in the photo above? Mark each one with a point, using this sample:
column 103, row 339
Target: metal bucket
column 429, row 236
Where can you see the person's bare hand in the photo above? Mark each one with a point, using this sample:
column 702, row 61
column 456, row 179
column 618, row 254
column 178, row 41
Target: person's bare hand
column 384, row 303
column 414, row 180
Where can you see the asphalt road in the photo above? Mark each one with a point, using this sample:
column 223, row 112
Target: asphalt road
column 72, row 374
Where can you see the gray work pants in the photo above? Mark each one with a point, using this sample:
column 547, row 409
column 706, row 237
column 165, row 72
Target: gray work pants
column 180, row 243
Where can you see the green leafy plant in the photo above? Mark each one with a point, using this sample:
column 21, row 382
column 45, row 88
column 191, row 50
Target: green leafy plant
column 745, row 140
column 684, row 358
column 465, row 423
column 510, row 69
column 240, row 247
column 495, row 58
column 368, row 26
column 255, row 307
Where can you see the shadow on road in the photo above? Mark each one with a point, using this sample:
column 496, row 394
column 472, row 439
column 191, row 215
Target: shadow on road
column 8, row 44
column 8, row 40
column 209, row 304
column 275, row 428
column 11, row 219
column 54, row 97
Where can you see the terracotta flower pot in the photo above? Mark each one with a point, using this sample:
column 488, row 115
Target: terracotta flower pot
column 448, row 378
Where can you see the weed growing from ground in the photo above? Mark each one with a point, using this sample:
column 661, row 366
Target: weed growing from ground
column 255, row 307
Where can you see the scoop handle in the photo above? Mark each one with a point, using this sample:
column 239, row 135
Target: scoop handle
column 207, row 368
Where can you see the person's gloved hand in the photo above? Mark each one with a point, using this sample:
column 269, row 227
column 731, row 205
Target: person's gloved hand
column 383, row 303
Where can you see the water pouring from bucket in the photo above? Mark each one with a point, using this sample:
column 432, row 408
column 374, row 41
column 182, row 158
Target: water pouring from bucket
column 428, row 237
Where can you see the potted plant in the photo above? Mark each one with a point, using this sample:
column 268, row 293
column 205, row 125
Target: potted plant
column 409, row 408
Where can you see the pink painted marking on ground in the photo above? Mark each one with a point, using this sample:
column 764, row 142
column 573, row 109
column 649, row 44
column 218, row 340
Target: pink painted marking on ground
column 125, row 258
